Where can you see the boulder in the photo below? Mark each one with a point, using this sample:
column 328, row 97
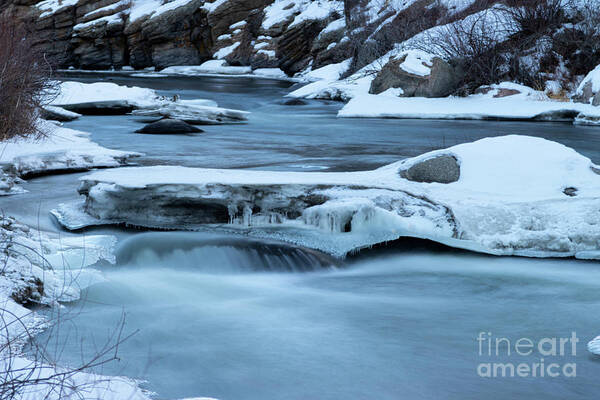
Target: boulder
column 441, row 81
column 169, row 126
column 588, row 92
column 440, row 169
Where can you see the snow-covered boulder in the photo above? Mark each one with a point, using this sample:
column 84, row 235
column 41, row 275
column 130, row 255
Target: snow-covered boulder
column 196, row 112
column 515, row 195
column 417, row 74
column 110, row 98
column 102, row 98
column 588, row 90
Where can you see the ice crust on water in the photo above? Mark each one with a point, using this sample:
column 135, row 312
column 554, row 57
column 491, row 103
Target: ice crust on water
column 61, row 266
column 510, row 199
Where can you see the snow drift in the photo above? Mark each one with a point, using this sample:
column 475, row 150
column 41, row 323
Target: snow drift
column 109, row 98
column 512, row 195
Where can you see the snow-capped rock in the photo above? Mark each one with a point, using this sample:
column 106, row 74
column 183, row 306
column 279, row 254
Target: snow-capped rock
column 59, row 149
column 198, row 112
column 103, row 98
column 588, row 90
column 510, row 199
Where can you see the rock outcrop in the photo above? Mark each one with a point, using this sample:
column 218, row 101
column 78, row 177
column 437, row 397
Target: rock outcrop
column 438, row 78
column 105, row 34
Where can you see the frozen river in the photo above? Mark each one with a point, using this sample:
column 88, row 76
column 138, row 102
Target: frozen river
column 227, row 317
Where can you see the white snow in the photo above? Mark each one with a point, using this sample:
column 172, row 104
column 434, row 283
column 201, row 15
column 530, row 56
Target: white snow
column 592, row 78
column 334, row 26
column 416, row 62
column 317, row 10
column 238, row 25
column 59, row 149
column 226, row 51
column 212, row 7
column 78, row 93
column 209, row 67
column 279, row 11
column 153, row 8
column 273, row 73
column 197, row 111
column 50, row 7
column 61, row 264
column 528, row 104
column 510, row 200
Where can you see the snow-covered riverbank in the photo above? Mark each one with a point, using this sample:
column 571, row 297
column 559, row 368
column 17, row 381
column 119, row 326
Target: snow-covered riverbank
column 44, row 269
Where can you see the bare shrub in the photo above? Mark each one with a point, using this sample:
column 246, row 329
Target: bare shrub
column 579, row 41
column 536, row 17
column 474, row 45
column 24, row 81
column 368, row 44
column 28, row 360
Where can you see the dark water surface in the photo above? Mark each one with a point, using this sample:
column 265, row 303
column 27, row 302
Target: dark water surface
column 225, row 317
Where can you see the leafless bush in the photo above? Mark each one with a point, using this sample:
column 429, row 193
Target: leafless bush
column 29, row 362
column 39, row 374
column 368, row 44
column 24, row 81
column 536, row 17
column 579, row 41
column 474, row 45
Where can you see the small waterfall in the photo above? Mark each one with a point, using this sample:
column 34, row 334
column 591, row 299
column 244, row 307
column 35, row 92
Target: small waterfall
column 210, row 253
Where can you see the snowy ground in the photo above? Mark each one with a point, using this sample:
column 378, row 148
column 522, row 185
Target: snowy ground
column 58, row 150
column 48, row 270
column 527, row 105
column 516, row 195
column 110, row 98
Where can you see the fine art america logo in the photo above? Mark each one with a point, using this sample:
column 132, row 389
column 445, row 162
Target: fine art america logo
column 526, row 357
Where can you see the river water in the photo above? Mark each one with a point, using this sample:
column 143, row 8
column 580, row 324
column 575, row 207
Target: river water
column 233, row 318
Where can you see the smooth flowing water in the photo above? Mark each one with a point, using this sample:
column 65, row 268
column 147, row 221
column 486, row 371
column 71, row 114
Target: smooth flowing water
column 233, row 318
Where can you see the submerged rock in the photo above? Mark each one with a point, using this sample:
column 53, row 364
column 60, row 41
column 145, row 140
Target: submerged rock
column 169, row 126
column 441, row 169
column 294, row 102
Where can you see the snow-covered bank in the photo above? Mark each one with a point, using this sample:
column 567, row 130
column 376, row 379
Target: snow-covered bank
column 38, row 268
column 59, row 149
column 222, row 68
column 110, row 98
column 512, row 195
column 471, row 107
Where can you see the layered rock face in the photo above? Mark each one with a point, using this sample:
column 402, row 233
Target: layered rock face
column 104, row 34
